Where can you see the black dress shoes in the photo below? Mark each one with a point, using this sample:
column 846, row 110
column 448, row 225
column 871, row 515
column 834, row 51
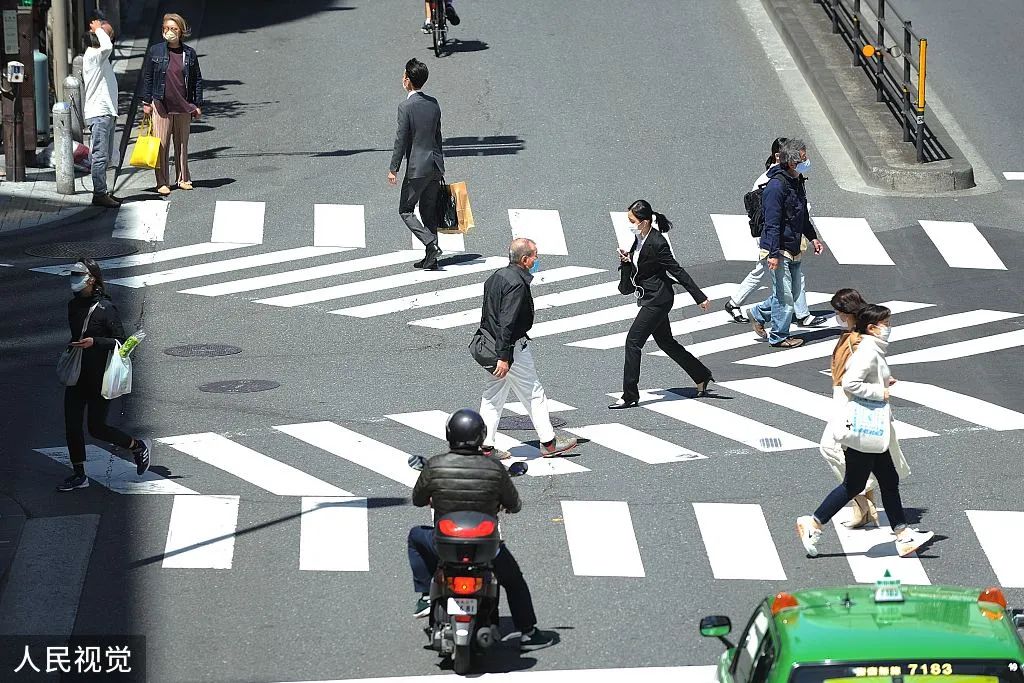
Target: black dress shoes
column 429, row 262
column 622, row 405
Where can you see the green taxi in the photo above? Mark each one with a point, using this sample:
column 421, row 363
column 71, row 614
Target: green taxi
column 885, row 633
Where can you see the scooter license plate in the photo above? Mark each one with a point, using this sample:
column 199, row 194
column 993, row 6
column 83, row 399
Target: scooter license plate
column 467, row 605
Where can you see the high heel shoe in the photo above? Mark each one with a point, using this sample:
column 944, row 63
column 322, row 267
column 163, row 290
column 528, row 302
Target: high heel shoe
column 703, row 388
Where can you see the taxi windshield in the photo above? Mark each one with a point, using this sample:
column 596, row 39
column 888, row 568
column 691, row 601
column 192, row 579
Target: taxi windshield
column 958, row 671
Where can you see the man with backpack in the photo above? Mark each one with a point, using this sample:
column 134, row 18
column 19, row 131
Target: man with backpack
column 787, row 229
column 752, row 203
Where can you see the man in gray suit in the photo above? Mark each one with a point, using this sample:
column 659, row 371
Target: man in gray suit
column 419, row 141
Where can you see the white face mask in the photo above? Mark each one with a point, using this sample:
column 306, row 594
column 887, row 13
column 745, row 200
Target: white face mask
column 170, row 36
column 79, row 282
column 883, row 332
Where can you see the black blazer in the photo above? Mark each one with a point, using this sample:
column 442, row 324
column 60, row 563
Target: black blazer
column 418, row 139
column 652, row 273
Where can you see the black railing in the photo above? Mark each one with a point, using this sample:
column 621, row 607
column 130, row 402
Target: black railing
column 884, row 44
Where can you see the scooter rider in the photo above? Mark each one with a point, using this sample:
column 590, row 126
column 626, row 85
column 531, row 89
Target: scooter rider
column 464, row 479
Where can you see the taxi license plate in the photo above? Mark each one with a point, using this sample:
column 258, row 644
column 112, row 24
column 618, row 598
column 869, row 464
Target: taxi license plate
column 467, row 605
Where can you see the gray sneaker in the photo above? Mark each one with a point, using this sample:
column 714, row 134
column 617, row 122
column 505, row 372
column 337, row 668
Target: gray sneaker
column 556, row 447
column 75, row 481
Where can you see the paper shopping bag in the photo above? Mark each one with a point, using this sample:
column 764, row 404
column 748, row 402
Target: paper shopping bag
column 462, row 206
column 147, row 148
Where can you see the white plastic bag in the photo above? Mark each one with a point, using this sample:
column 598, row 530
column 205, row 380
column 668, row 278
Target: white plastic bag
column 117, row 378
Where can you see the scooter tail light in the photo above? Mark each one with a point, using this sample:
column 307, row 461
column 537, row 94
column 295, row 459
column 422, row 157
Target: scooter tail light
column 465, row 585
column 450, row 528
column 463, row 618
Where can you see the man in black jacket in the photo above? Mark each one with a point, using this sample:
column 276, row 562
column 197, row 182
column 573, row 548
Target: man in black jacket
column 464, row 479
column 507, row 315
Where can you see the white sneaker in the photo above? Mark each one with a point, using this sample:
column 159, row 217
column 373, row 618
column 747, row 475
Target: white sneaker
column 912, row 540
column 809, row 534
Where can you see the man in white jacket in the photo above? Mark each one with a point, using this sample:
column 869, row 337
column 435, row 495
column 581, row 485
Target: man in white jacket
column 100, row 110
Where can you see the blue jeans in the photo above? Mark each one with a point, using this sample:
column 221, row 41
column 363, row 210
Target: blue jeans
column 102, row 137
column 423, row 562
column 753, row 280
column 787, row 285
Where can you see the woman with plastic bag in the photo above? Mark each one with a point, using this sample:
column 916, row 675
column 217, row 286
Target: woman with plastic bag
column 95, row 327
column 847, row 303
column 868, row 437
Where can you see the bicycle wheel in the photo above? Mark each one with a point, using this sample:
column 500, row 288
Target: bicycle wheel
column 440, row 27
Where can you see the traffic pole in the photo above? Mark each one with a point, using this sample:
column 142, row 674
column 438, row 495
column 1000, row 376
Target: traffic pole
column 59, row 8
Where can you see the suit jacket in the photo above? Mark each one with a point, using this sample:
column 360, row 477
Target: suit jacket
column 419, row 137
column 653, row 271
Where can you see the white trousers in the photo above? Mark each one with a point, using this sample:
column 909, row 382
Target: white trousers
column 522, row 379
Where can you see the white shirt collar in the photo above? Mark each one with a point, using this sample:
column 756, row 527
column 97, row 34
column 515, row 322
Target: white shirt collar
column 411, row 93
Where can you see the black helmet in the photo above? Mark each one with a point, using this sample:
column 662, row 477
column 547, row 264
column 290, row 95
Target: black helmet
column 465, row 430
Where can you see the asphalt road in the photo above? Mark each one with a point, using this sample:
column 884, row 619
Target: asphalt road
column 543, row 108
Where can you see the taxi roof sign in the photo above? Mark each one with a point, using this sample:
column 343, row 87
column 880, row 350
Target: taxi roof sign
column 887, row 589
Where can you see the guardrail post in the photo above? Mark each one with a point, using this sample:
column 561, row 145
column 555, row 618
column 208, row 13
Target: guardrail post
column 856, row 32
column 63, row 148
column 907, row 106
column 922, row 60
column 880, row 53
column 835, row 15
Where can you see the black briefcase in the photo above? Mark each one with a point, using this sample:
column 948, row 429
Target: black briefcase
column 482, row 348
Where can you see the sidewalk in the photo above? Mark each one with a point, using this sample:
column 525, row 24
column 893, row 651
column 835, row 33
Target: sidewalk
column 36, row 202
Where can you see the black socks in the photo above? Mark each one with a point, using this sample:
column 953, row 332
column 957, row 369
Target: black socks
column 79, row 469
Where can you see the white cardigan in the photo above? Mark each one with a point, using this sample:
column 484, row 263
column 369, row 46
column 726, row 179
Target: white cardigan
column 867, row 376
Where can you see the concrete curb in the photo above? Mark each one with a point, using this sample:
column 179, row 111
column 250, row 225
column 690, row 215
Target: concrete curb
column 809, row 44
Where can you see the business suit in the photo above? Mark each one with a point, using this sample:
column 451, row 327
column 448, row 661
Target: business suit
column 418, row 141
column 650, row 275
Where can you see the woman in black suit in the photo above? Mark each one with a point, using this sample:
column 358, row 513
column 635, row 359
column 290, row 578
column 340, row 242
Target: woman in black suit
column 648, row 271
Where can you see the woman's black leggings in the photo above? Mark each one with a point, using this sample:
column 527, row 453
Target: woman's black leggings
column 76, row 400
column 858, row 467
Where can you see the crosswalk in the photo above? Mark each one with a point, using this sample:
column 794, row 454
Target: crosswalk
column 739, row 540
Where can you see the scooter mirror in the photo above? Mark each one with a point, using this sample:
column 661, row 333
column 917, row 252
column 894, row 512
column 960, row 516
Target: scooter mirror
column 517, row 469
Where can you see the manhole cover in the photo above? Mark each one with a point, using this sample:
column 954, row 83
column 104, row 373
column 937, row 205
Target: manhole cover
column 238, row 386
column 72, row 250
column 514, row 422
column 202, row 350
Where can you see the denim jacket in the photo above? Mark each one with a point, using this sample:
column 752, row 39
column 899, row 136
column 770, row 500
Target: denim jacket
column 154, row 73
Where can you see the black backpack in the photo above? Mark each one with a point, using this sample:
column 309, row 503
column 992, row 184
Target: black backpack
column 755, row 210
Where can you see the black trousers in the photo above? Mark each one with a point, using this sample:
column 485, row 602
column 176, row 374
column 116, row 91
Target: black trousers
column 653, row 321
column 425, row 192
column 76, row 400
column 859, row 466
column 423, row 561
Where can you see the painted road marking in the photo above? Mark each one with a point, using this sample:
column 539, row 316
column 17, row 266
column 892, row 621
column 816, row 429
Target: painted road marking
column 601, row 538
column 738, row 542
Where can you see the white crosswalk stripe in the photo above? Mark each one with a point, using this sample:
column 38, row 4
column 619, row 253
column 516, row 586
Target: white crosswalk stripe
column 958, row 405
column 543, row 226
column 738, row 542
column 806, row 402
column 1013, row 175
column 145, row 220
column 432, row 422
column 379, row 284
column 601, row 538
column 263, row 282
column 725, row 423
column 443, row 296
column 851, row 241
column 356, row 448
column 238, row 222
column 171, row 254
column 734, row 236
column 339, row 225
column 962, row 245
column 334, row 535
column 872, row 551
column 1001, row 534
column 634, row 443
column 227, row 266
column 962, row 349
column 201, row 532
column 123, row 477
column 251, row 466
column 922, row 328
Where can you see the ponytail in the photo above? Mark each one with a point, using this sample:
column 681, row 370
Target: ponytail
column 664, row 224
column 641, row 208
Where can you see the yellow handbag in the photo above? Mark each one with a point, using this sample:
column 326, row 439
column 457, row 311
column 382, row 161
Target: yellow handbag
column 147, row 147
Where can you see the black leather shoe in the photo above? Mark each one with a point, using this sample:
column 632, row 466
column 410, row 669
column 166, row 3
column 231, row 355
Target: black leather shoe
column 430, row 260
column 622, row 405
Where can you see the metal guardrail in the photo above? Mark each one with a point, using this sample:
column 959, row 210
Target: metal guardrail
column 884, row 45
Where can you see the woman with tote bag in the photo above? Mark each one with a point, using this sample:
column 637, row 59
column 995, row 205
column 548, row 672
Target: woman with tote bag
column 867, row 437
column 95, row 325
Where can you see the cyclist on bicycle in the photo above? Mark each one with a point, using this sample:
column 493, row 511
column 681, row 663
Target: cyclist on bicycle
column 449, row 13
